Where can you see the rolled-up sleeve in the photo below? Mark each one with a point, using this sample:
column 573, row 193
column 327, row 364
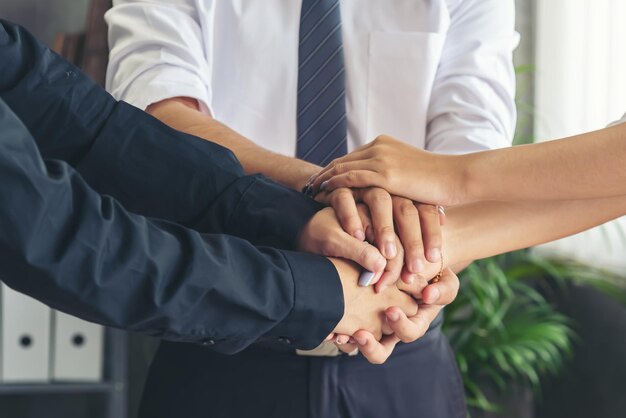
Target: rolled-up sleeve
column 472, row 106
column 158, row 51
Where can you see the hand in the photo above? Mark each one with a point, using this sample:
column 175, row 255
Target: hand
column 365, row 309
column 399, row 168
column 418, row 227
column 405, row 328
column 324, row 235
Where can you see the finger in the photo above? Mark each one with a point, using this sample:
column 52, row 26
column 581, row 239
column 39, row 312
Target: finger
column 413, row 328
column 342, row 201
column 392, row 270
column 442, row 215
column 347, row 348
column 341, row 339
column 341, row 164
column 376, row 352
column 407, row 220
column 366, row 221
column 429, row 218
column 361, row 252
column 409, row 278
column 444, row 291
column 330, row 337
column 353, row 179
column 380, row 205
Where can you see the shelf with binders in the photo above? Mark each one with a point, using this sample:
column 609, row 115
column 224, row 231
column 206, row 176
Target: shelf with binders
column 113, row 388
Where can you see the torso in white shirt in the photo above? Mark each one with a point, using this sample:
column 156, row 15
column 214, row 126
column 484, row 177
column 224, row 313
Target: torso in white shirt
column 413, row 68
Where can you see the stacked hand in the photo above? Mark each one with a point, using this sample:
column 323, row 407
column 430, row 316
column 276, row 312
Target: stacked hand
column 366, row 233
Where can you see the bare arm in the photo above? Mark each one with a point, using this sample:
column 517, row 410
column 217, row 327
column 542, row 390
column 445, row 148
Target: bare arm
column 182, row 114
column 585, row 166
column 485, row 229
column 591, row 165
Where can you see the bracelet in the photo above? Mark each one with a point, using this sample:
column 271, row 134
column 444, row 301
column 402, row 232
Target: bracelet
column 438, row 276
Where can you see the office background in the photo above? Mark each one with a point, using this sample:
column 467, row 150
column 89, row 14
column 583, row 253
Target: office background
column 545, row 26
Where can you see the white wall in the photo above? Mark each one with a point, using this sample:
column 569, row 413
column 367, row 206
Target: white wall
column 580, row 65
column 580, row 87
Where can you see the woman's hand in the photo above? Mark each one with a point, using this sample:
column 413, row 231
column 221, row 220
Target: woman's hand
column 400, row 169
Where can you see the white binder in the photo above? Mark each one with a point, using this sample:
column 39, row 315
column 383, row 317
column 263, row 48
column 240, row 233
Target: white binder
column 25, row 338
column 77, row 349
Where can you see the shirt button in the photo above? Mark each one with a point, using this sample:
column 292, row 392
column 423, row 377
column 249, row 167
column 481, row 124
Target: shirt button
column 208, row 342
column 284, row 340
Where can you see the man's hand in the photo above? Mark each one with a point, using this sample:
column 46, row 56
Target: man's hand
column 406, row 328
column 324, row 235
column 364, row 308
column 418, row 227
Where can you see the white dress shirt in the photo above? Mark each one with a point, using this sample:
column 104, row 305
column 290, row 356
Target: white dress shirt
column 437, row 74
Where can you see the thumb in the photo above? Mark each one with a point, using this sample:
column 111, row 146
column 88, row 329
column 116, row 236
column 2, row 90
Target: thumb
column 361, row 252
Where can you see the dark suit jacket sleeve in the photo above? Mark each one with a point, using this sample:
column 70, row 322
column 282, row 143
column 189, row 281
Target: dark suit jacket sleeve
column 83, row 253
column 121, row 151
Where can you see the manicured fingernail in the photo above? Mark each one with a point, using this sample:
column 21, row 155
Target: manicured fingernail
column 366, row 278
column 390, row 250
column 434, row 255
column 393, row 316
column 359, row 234
column 361, row 340
column 324, row 185
column 416, row 266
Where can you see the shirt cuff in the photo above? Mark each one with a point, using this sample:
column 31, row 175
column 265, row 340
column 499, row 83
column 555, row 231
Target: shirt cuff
column 318, row 302
column 262, row 212
column 164, row 82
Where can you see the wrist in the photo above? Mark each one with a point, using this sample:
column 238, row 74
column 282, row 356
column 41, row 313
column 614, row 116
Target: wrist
column 463, row 188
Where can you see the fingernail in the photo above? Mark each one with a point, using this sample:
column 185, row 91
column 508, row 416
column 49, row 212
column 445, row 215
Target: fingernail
column 366, row 278
column 359, row 234
column 416, row 266
column 390, row 250
column 324, row 185
column 434, row 255
column 393, row 316
column 338, row 341
column 436, row 294
column 411, row 279
column 361, row 340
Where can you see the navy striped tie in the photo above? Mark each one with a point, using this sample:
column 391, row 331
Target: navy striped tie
column 322, row 126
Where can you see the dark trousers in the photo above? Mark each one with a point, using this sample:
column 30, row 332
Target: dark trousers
column 419, row 380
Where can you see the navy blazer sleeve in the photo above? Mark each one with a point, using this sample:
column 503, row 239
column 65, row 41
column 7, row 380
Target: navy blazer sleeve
column 81, row 252
column 122, row 151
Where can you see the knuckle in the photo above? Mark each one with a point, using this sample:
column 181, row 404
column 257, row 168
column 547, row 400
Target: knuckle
column 414, row 246
column 406, row 209
column 429, row 210
column 352, row 176
column 384, row 230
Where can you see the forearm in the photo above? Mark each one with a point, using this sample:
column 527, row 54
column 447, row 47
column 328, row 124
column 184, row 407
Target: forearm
column 83, row 253
column 591, row 165
column 485, row 229
column 182, row 114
